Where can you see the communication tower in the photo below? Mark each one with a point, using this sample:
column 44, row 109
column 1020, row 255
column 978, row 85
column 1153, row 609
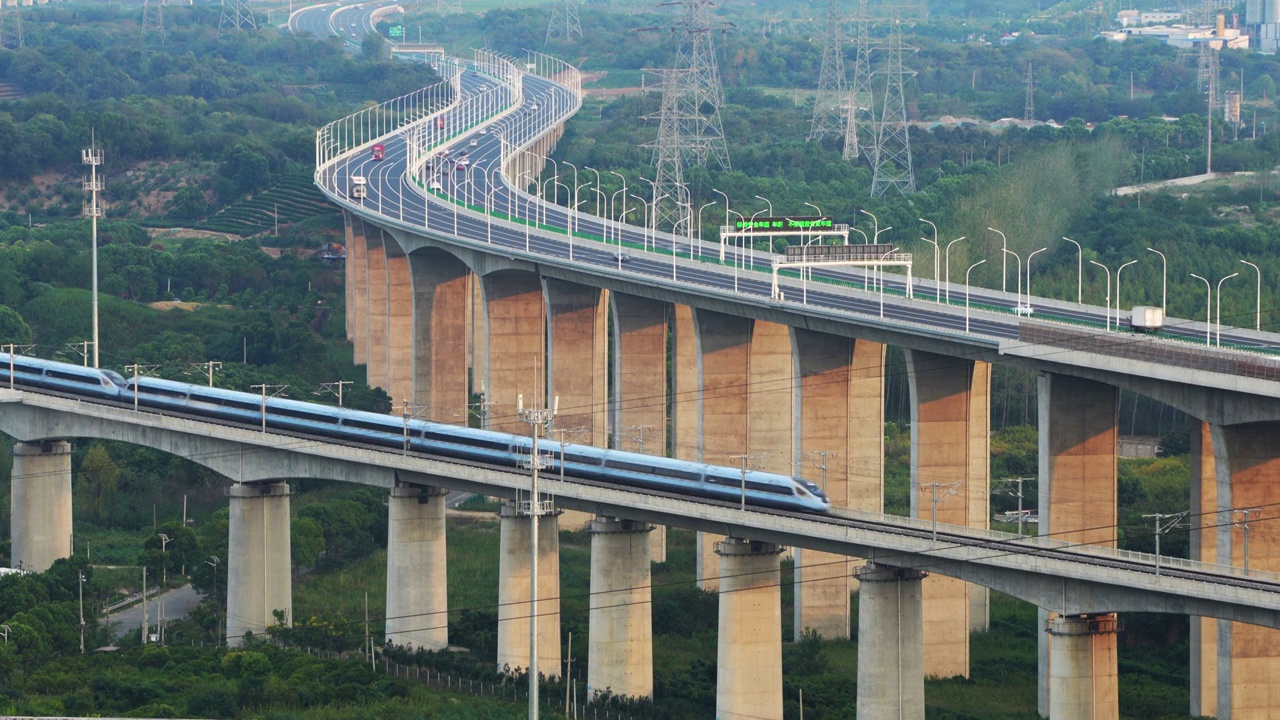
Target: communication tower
column 828, row 120
column 10, row 26
column 236, row 16
column 892, row 159
column 564, row 21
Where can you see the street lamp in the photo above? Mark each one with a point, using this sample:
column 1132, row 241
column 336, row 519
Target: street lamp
column 598, row 186
column 653, row 211
column 575, row 199
column 966, row 293
column 1108, row 306
column 1164, row 274
column 1079, row 270
column 704, row 207
column 1257, row 317
column 1033, row 254
column 726, row 217
column 947, row 255
column 937, row 289
column 880, row 273
column 1118, row 271
column 164, row 544
column 1208, row 310
column 1004, row 268
column 1218, row 310
column 217, row 634
column 1018, row 296
column 624, row 199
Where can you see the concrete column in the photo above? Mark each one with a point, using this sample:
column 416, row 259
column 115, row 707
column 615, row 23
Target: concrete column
column 477, row 334
column 950, row 433
column 259, row 578
column 358, row 293
column 749, row 650
column 40, row 504
column 841, row 413
column 686, row 395
column 1204, row 547
column 724, row 343
column 379, row 290
column 640, row 379
column 577, row 365
column 1079, row 441
column 890, row 643
column 400, row 324
column 621, row 642
column 513, row 592
column 439, row 330
column 1244, row 663
column 417, row 582
column 349, row 273
column 514, row 311
column 1083, row 678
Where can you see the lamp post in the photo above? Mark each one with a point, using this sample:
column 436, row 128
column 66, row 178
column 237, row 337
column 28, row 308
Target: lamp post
column 1079, row 270
column 624, row 199
column 966, row 293
column 1218, row 310
column 598, row 186
column 741, row 255
column 645, row 227
column 653, row 212
column 947, row 255
column 1118, row 271
column 92, row 156
column 880, row 273
column 1106, row 270
column 1257, row 316
column 1164, row 282
column 1033, row 254
column 1208, row 309
column 1018, row 275
column 937, row 289
column 726, row 217
column 1004, row 268
column 613, row 206
column 704, row 207
column 574, row 214
column 164, row 545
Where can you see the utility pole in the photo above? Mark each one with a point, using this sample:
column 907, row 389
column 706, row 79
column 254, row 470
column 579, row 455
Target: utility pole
column 92, row 156
column 951, row 488
column 537, row 418
column 1162, row 527
column 745, row 465
column 568, row 671
column 82, row 349
column 821, row 463
column 208, row 368
column 164, row 548
column 81, row 576
column 334, row 388
column 138, row 371
column 267, row 391
column 217, row 631
column 637, row 435
column 1029, row 111
column 1244, row 525
column 13, row 350
column 1013, row 487
column 144, row 605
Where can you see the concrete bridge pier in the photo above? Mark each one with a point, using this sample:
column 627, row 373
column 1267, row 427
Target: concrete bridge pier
column 1079, row 446
column 441, row 294
column 749, row 651
column 639, row 422
column 1083, row 680
column 259, row 564
column 40, row 504
column 514, row 592
column 621, row 640
column 515, row 318
column 1235, row 667
column 417, row 582
column 950, row 471
column 890, row 642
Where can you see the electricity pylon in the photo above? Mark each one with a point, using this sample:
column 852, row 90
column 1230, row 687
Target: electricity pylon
column 828, row 120
column 669, row 151
column 236, row 16
column 152, row 19
column 892, row 159
column 564, row 21
column 1029, row 110
column 859, row 100
column 448, row 7
column 10, row 26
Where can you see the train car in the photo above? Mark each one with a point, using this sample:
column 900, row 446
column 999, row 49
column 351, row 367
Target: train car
column 66, row 377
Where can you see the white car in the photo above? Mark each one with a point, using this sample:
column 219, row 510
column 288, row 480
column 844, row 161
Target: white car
column 1026, row 310
column 484, row 131
column 474, row 142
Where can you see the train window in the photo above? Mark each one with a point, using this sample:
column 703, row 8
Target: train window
column 229, row 402
column 374, row 427
column 767, row 488
column 164, row 392
column 304, row 415
column 651, row 470
column 487, row 444
column 630, row 467
column 73, row 377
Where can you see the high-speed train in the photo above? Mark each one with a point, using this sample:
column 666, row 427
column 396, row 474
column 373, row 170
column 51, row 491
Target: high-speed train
column 579, row 461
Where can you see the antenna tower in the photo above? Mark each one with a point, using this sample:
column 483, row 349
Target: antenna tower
column 10, row 26
column 564, row 21
column 670, row 149
column 152, row 18
column 859, row 99
column 832, row 87
column 1029, row 112
column 236, row 16
column 892, row 158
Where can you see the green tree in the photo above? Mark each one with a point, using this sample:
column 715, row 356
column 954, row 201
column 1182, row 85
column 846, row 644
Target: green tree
column 13, row 329
column 99, row 479
column 188, row 202
column 373, row 46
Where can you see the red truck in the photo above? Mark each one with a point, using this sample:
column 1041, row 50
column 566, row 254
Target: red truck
column 440, row 122
column 379, row 151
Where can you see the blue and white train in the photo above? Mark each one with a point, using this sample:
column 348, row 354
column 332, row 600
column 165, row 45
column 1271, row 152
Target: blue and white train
column 451, row 441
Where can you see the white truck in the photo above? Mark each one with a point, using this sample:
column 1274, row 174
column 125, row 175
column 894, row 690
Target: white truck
column 1146, row 319
column 359, row 187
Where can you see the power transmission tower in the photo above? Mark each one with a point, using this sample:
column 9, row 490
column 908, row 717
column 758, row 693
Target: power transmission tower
column 892, row 159
column 564, row 21
column 670, row 150
column 152, row 19
column 448, row 7
column 859, row 100
column 10, row 26
column 1029, row 112
column 237, row 16
column 827, row 118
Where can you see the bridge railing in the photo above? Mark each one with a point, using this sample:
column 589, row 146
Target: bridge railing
column 1149, row 349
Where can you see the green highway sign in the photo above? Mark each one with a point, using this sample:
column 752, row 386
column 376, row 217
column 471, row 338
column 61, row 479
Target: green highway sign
column 785, row 223
column 395, row 31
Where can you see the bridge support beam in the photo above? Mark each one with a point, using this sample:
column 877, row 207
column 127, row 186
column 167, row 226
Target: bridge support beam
column 890, row 642
column 379, row 309
column 417, row 582
column 578, row 330
column 357, row 289
column 685, row 398
column 640, row 377
column 440, row 302
column 950, row 430
column 259, row 581
column 514, row 592
column 40, row 505
column 1084, row 684
column 1079, row 446
column 1235, row 668
column 621, row 640
column 514, row 312
column 400, row 340
column 749, row 651
column 841, row 416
